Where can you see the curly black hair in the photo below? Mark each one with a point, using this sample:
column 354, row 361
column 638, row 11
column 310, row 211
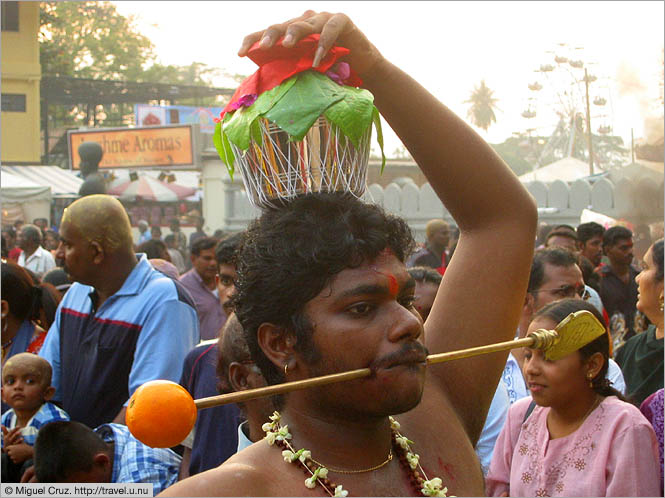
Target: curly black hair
column 291, row 253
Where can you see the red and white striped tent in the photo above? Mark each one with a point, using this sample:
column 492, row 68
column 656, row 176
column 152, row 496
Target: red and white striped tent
column 149, row 189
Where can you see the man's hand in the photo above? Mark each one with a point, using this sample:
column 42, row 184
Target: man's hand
column 29, row 475
column 335, row 29
column 11, row 436
column 19, row 453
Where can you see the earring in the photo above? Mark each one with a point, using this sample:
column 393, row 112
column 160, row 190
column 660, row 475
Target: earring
column 286, row 367
column 661, row 302
column 590, row 379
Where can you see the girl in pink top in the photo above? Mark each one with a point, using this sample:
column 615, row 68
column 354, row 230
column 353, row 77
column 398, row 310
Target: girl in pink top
column 582, row 438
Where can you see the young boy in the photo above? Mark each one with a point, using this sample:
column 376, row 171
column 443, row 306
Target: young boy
column 26, row 387
column 72, row 452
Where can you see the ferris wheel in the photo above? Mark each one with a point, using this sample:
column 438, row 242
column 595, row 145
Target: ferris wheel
column 564, row 96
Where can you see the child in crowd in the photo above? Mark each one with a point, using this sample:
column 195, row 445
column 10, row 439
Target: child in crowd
column 581, row 437
column 26, row 388
column 72, row 452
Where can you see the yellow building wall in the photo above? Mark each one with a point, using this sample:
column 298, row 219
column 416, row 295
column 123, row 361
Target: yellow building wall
column 21, row 74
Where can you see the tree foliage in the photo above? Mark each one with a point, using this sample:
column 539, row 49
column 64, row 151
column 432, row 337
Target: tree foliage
column 90, row 40
column 481, row 112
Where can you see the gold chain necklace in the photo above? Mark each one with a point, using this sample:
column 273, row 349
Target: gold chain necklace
column 339, row 471
column 594, row 405
column 279, row 435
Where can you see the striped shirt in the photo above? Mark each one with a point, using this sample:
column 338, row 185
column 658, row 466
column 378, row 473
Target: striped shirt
column 47, row 413
column 134, row 461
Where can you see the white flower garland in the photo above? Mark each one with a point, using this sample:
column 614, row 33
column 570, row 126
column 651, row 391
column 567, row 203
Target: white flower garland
column 275, row 432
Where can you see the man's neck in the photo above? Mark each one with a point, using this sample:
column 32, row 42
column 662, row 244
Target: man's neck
column 111, row 282
column 24, row 416
column 437, row 250
column 111, row 455
column 619, row 269
column 622, row 272
column 210, row 284
column 29, row 251
column 339, row 443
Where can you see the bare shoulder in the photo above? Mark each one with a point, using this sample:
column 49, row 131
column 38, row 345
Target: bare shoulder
column 238, row 476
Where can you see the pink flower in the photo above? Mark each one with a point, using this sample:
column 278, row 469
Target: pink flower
column 244, row 101
column 339, row 73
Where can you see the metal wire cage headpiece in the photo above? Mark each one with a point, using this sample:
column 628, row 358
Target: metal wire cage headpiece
column 325, row 160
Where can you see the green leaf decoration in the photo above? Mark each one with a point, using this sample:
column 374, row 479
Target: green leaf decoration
column 302, row 105
column 239, row 126
column 223, row 146
column 376, row 117
column 294, row 106
column 255, row 132
column 353, row 114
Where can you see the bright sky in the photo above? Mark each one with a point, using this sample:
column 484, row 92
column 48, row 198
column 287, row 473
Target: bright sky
column 449, row 47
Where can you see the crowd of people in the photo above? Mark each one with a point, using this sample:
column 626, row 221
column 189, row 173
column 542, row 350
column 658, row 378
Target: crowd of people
column 324, row 284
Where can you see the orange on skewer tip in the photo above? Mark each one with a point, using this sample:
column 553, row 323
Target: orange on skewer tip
column 161, row 413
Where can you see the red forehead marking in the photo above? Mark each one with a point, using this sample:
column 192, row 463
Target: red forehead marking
column 393, row 286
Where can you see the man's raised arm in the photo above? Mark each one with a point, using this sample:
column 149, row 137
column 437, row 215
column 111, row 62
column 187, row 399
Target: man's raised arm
column 484, row 285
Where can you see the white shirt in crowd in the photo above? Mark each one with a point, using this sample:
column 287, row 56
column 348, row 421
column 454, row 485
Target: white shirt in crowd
column 38, row 262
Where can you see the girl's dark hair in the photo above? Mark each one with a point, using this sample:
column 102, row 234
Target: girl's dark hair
column 557, row 311
column 425, row 274
column 153, row 248
column 290, row 254
column 26, row 299
column 657, row 254
column 50, row 299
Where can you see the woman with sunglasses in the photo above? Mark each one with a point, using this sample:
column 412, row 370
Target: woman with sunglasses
column 575, row 435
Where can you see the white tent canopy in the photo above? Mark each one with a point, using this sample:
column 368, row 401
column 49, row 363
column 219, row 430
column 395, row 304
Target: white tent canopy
column 567, row 169
column 23, row 199
column 63, row 183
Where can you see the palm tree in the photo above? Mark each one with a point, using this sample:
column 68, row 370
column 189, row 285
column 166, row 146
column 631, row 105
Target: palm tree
column 483, row 104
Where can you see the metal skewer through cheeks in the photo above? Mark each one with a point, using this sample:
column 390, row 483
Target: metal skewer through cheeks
column 574, row 332
column 577, row 330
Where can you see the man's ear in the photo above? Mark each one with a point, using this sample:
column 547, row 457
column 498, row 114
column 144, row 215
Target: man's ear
column 238, row 376
column 97, row 252
column 49, row 392
column 277, row 344
column 528, row 307
column 102, row 462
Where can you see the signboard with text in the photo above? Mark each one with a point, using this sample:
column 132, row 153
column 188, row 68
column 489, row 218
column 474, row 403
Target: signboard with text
column 148, row 147
column 154, row 115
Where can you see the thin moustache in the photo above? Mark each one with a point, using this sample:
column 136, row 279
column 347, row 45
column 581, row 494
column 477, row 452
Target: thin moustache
column 411, row 353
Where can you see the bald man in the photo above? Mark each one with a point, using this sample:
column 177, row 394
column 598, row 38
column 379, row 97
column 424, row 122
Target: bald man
column 433, row 253
column 122, row 323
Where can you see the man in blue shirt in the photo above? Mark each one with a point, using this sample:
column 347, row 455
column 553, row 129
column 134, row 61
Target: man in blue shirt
column 214, row 438
column 121, row 324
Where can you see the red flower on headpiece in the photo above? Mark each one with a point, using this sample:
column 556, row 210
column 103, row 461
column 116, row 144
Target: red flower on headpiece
column 279, row 63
